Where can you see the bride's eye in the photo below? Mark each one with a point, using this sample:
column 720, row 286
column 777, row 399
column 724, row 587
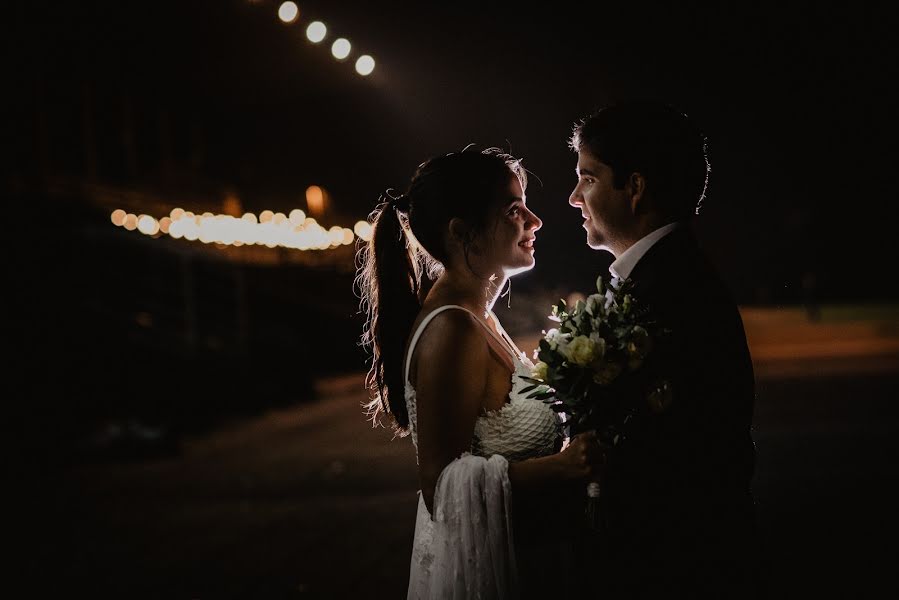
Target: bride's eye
column 514, row 212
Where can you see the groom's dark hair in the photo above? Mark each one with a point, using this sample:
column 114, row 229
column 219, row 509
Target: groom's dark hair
column 655, row 140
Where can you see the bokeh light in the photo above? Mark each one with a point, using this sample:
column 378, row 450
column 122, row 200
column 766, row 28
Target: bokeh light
column 365, row 65
column 288, row 12
column 271, row 229
column 341, row 48
column 315, row 199
column 363, row 230
column 316, row 32
column 147, row 225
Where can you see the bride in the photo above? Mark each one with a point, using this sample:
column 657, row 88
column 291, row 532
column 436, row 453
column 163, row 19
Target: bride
column 442, row 367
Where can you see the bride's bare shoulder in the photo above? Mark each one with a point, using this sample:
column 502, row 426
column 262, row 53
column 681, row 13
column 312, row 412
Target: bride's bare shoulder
column 451, row 338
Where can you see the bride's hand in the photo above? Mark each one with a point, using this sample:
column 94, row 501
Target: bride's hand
column 583, row 457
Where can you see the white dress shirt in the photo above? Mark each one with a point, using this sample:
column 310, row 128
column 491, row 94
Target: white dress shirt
column 623, row 265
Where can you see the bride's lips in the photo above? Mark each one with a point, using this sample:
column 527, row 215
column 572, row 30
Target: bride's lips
column 527, row 244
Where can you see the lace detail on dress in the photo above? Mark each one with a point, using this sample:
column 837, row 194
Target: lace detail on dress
column 523, row 428
column 413, row 416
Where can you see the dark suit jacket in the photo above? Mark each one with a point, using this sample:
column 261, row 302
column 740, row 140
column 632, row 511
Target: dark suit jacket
column 676, row 495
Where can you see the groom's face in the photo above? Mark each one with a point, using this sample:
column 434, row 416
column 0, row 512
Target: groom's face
column 606, row 210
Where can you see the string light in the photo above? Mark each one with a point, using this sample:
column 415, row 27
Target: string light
column 341, row 48
column 363, row 230
column 365, row 64
column 270, row 229
column 316, row 32
column 288, row 12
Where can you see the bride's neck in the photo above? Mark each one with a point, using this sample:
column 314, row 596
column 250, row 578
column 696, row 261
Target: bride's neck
column 477, row 294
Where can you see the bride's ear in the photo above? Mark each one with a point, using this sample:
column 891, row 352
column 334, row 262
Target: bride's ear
column 636, row 190
column 458, row 230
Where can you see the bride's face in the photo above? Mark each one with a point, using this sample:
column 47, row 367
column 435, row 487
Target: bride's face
column 510, row 233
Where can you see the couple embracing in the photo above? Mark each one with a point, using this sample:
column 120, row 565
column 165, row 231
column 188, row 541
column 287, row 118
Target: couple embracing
column 499, row 514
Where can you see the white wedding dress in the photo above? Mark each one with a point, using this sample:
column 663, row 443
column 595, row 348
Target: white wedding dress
column 467, row 551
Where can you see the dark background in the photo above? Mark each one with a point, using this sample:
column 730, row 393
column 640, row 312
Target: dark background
column 123, row 348
column 797, row 100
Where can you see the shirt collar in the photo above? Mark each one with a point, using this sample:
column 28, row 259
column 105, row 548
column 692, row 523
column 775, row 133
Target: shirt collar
column 624, row 264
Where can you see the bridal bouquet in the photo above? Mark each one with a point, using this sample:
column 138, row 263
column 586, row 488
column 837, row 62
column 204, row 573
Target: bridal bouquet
column 592, row 367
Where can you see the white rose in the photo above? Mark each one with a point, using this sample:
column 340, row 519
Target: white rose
column 540, row 371
column 557, row 341
column 582, row 350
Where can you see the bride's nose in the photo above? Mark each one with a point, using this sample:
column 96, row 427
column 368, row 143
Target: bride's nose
column 534, row 222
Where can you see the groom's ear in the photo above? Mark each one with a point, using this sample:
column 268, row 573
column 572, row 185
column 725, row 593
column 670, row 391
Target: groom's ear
column 636, row 190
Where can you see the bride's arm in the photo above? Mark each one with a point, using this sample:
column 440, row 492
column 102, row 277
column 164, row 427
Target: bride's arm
column 452, row 359
column 578, row 461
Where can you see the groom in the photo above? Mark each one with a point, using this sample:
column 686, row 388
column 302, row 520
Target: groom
column 676, row 493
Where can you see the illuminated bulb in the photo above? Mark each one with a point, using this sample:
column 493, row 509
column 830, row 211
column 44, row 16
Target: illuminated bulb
column 348, row 237
column 296, row 216
column 335, row 236
column 250, row 218
column 165, row 224
column 118, row 217
column 363, row 230
column 340, row 48
column 130, row 222
column 288, row 12
column 266, row 216
column 365, row 65
column 315, row 200
column 147, row 225
column 176, row 213
column 316, row 32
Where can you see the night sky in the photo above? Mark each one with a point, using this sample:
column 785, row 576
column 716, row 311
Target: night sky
column 797, row 102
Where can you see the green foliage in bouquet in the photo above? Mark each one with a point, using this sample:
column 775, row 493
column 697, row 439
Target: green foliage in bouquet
column 592, row 366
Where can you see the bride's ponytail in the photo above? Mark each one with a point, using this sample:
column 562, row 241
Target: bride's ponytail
column 407, row 251
column 389, row 279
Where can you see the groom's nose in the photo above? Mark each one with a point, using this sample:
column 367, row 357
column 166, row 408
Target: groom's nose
column 574, row 199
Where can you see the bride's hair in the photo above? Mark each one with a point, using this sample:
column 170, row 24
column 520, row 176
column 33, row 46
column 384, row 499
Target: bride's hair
column 407, row 252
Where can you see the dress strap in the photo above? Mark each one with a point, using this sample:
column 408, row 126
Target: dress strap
column 502, row 331
column 424, row 323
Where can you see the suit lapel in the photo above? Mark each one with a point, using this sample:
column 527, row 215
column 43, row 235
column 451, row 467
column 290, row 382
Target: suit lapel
column 663, row 260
